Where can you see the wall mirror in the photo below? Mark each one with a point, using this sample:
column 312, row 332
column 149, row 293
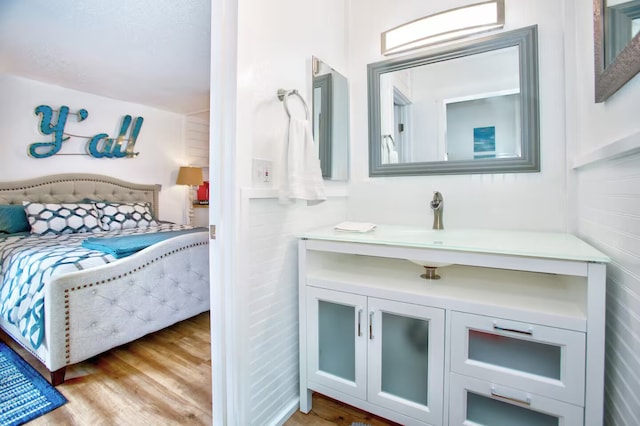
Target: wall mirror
column 330, row 107
column 467, row 108
column 616, row 25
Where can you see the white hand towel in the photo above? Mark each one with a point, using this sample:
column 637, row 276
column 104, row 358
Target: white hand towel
column 302, row 178
column 355, row 226
column 389, row 153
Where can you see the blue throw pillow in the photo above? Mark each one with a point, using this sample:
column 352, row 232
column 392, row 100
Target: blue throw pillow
column 13, row 219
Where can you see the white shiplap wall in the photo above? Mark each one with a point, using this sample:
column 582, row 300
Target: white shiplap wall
column 196, row 139
column 276, row 40
column 609, row 218
column 196, row 153
column 272, row 307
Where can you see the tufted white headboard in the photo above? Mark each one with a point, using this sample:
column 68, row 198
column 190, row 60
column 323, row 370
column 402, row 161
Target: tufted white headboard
column 75, row 187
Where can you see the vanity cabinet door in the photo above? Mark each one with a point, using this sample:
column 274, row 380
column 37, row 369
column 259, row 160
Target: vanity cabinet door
column 473, row 402
column 406, row 358
column 544, row 360
column 336, row 341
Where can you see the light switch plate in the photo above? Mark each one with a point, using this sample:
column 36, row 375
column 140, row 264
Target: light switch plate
column 262, row 170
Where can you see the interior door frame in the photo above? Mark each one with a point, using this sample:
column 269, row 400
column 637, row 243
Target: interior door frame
column 222, row 211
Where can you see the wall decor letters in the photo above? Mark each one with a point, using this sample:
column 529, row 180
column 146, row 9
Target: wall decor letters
column 98, row 146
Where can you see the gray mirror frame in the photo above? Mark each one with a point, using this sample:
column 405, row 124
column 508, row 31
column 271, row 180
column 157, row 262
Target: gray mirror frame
column 527, row 41
column 624, row 67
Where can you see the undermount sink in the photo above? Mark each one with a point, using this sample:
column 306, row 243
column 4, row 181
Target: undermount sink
column 429, row 264
column 430, row 268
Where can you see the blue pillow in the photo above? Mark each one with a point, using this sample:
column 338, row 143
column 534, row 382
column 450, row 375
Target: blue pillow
column 13, row 219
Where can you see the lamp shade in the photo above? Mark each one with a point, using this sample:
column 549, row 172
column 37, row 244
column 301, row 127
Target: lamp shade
column 445, row 26
column 191, row 176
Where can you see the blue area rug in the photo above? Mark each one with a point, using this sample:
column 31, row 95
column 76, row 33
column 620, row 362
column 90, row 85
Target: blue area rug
column 24, row 393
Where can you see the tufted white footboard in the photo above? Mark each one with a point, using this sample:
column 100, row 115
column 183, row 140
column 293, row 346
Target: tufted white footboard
column 89, row 312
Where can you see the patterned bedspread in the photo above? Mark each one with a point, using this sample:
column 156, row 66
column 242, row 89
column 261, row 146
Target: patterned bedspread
column 28, row 262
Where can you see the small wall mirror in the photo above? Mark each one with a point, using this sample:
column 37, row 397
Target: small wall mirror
column 616, row 43
column 469, row 108
column 330, row 107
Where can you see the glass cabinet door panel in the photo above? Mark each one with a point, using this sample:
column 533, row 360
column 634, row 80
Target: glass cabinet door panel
column 486, row 411
column 405, row 354
column 479, row 402
column 548, row 361
column 336, row 342
column 518, row 354
column 405, row 360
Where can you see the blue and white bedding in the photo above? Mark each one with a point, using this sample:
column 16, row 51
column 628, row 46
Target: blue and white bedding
column 27, row 262
column 126, row 245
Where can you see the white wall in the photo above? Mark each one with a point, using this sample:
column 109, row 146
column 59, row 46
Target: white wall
column 523, row 201
column 605, row 206
column 160, row 141
column 196, row 140
column 500, row 112
column 276, row 41
column 466, row 77
column 196, row 146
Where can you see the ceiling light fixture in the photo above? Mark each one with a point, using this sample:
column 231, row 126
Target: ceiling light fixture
column 444, row 26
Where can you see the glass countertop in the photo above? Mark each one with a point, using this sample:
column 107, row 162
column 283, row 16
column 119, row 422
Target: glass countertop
column 550, row 245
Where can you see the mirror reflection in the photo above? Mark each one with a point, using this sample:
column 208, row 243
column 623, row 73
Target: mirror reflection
column 622, row 24
column 462, row 109
column 468, row 108
column 330, row 107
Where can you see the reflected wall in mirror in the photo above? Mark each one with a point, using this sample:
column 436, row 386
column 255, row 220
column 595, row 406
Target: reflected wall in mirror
column 330, row 107
column 621, row 26
column 467, row 108
column 616, row 43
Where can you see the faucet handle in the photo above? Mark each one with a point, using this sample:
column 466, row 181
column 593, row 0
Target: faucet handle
column 437, row 205
column 437, row 200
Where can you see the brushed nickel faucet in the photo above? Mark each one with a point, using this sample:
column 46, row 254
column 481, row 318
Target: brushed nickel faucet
column 437, row 205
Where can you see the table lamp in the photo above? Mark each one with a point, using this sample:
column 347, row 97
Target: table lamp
column 192, row 177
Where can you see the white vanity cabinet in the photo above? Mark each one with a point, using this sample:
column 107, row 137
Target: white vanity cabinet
column 377, row 351
column 507, row 336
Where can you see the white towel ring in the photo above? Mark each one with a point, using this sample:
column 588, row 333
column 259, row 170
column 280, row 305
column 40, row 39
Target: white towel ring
column 284, row 94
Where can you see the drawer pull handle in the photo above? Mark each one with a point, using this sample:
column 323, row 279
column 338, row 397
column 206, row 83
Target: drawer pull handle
column 496, row 394
column 359, row 322
column 528, row 332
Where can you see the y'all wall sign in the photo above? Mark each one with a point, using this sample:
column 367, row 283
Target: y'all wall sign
column 98, row 146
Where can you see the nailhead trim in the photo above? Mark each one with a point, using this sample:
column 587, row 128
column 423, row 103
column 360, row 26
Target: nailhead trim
column 67, row 342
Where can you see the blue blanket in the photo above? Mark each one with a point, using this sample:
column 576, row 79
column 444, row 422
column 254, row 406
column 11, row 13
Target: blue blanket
column 129, row 244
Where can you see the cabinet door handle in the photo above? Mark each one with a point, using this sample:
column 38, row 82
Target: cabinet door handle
column 528, row 331
column 371, row 325
column 359, row 322
column 500, row 395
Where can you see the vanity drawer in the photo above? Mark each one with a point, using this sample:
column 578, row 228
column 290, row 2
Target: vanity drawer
column 543, row 360
column 476, row 402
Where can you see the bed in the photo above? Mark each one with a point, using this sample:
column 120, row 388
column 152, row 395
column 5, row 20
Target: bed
column 88, row 307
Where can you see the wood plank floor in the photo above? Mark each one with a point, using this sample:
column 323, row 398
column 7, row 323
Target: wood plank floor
column 161, row 379
column 327, row 412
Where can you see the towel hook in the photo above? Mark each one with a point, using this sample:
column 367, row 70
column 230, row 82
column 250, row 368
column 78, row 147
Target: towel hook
column 284, row 94
column 389, row 137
